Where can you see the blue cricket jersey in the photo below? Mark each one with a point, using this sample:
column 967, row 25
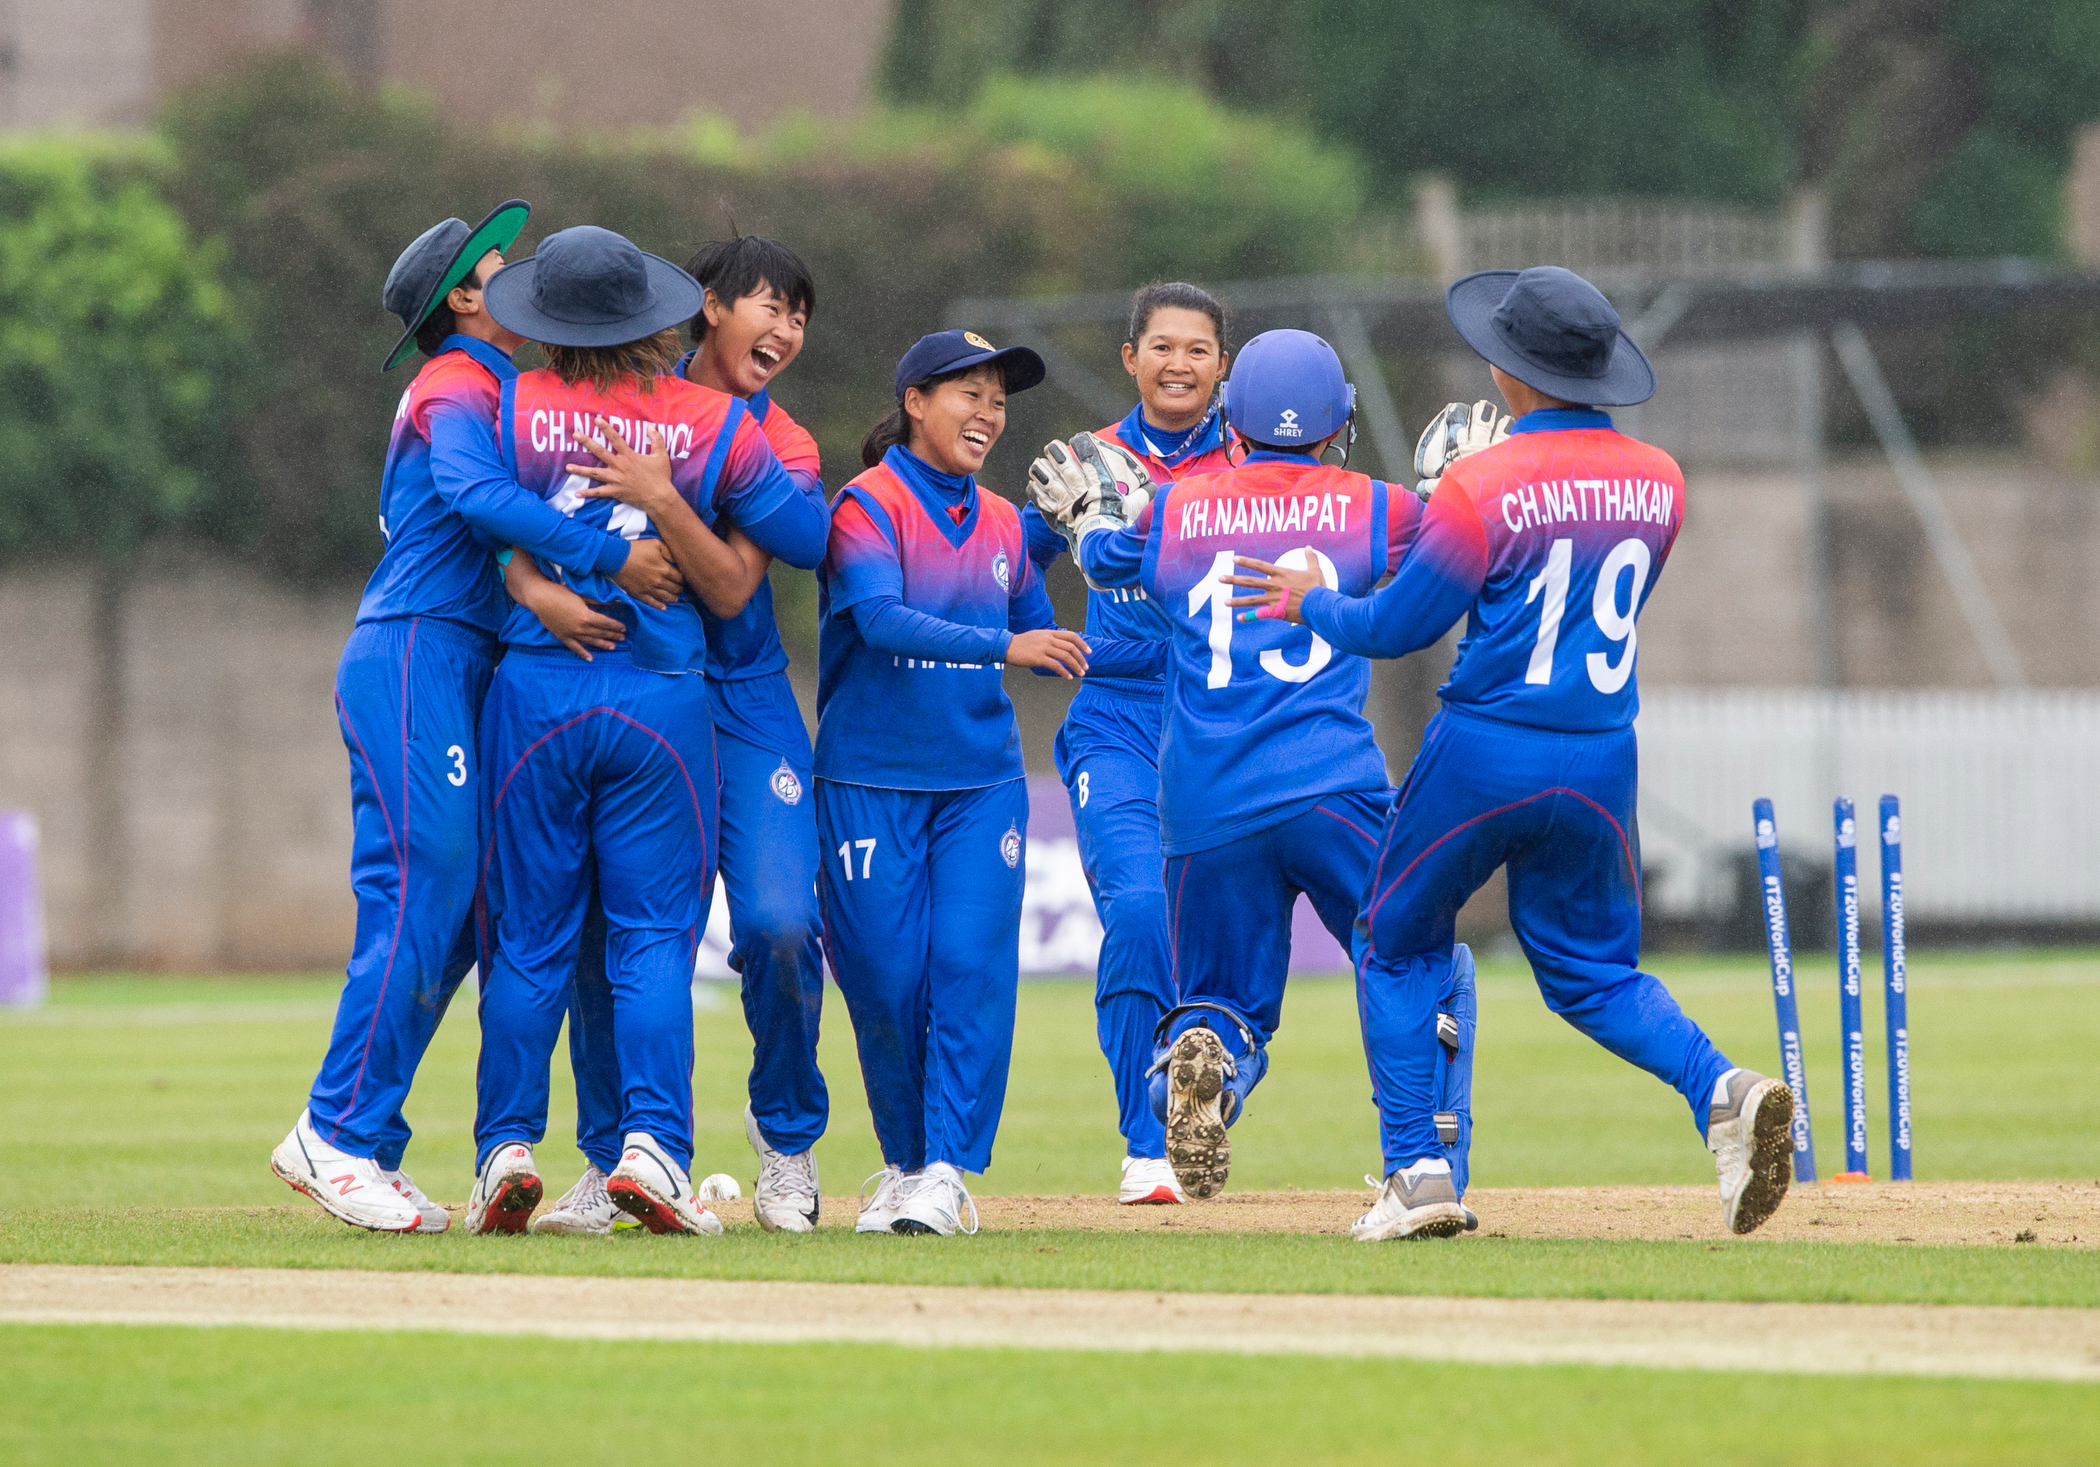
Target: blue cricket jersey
column 1263, row 718
column 447, row 501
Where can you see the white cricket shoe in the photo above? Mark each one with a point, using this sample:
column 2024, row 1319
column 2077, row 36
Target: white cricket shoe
column 649, row 1185
column 932, row 1201
column 785, row 1197
column 1420, row 1201
column 585, row 1210
column 1148, row 1179
column 879, row 1211
column 430, row 1217
column 506, row 1191
column 1751, row 1138
column 348, row 1187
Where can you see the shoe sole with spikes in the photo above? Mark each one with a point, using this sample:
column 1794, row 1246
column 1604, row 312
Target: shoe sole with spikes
column 1197, row 1146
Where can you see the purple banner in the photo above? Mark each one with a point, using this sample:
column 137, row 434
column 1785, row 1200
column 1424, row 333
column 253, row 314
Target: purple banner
column 23, row 978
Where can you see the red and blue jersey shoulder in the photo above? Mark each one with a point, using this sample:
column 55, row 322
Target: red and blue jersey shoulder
column 1273, row 507
column 964, row 570
column 1565, row 530
column 792, row 443
column 452, row 380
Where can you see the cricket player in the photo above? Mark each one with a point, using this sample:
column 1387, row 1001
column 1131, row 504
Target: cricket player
column 409, row 693
column 1108, row 749
column 1270, row 782
column 603, row 771
column 750, row 329
column 926, row 594
column 1548, row 542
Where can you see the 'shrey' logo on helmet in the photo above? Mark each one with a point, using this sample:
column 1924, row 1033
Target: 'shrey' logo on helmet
column 786, row 785
column 1288, row 427
column 1010, row 846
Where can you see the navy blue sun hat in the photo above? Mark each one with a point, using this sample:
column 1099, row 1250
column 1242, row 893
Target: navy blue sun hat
column 441, row 257
column 1552, row 330
column 945, row 352
column 1287, row 390
column 590, row 287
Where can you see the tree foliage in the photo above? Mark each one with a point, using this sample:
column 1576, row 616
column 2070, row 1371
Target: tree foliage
column 311, row 186
column 1511, row 97
column 1937, row 126
column 115, row 341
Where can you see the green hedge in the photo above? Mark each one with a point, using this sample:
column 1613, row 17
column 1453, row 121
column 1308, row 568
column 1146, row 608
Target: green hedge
column 194, row 328
column 115, row 347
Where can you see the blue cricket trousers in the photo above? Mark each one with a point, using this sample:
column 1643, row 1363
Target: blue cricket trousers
column 769, row 874
column 921, row 895
column 596, row 770
column 1558, row 809
column 408, row 694
column 1229, row 918
column 1108, row 757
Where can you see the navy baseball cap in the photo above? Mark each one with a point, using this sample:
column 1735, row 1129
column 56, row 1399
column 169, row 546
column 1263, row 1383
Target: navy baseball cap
column 1287, row 390
column 945, row 352
column 1552, row 330
column 587, row 286
column 441, row 257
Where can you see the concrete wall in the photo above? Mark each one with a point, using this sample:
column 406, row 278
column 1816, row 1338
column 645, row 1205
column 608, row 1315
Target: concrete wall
column 108, row 63
column 194, row 805
column 194, row 814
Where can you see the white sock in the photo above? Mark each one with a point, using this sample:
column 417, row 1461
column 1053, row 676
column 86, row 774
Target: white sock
column 1429, row 1166
column 1721, row 1086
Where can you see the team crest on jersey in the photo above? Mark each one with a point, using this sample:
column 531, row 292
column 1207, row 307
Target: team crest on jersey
column 978, row 341
column 1000, row 571
column 1010, row 846
column 786, row 785
column 1287, row 426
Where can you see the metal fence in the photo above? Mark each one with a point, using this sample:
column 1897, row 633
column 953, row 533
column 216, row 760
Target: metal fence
column 1604, row 235
column 2001, row 793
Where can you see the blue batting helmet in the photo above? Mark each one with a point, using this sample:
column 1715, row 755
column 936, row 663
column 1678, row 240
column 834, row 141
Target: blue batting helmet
column 1287, row 390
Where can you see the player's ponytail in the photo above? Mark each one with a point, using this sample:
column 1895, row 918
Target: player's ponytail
column 895, row 428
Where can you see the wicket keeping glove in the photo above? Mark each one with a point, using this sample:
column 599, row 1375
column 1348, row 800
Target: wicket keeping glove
column 1063, row 488
column 1452, row 434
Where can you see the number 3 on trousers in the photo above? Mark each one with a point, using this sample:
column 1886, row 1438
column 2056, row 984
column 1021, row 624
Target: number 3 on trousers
column 458, row 774
column 1551, row 586
column 867, row 856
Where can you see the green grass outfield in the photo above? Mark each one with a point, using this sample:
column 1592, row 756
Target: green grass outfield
column 170, row 1093
column 136, row 1116
column 235, row 1396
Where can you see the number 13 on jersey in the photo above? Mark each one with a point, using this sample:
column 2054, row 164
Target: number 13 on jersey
column 1212, row 592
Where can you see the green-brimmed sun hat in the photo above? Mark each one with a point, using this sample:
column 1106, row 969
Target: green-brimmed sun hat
column 442, row 256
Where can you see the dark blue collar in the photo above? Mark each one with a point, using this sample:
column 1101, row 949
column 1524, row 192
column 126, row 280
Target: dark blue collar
column 1279, row 456
column 937, row 492
column 1138, row 434
column 1560, row 420
column 504, row 368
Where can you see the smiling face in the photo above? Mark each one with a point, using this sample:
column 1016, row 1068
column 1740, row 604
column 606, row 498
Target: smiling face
column 1177, row 361
column 955, row 423
column 749, row 342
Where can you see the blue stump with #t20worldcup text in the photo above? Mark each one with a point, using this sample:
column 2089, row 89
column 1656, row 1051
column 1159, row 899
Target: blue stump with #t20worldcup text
column 1780, row 946
column 1850, row 1029
column 1896, row 983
